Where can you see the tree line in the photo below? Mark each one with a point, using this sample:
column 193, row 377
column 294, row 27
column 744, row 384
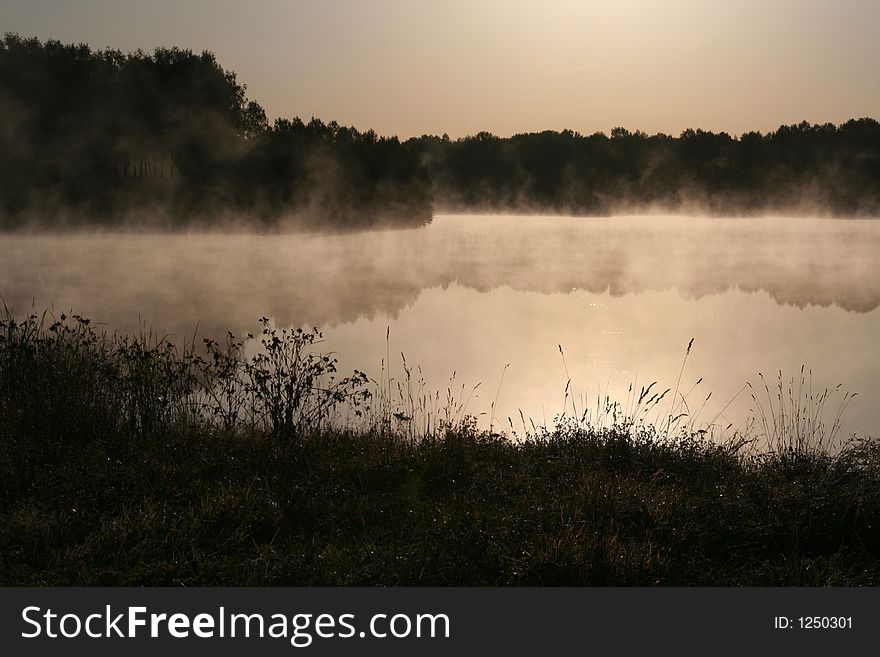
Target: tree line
column 814, row 169
column 99, row 137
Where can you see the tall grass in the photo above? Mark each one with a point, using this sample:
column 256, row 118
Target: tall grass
column 280, row 382
column 793, row 417
column 404, row 406
column 641, row 413
column 132, row 460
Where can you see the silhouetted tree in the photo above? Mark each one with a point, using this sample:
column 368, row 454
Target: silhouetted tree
column 102, row 136
column 804, row 167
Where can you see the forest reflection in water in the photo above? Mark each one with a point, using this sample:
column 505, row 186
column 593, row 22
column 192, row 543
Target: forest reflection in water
column 622, row 296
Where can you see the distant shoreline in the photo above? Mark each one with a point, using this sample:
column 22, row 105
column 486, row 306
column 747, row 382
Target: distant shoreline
column 101, row 137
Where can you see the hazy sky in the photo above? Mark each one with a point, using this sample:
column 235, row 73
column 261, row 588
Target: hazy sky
column 409, row 67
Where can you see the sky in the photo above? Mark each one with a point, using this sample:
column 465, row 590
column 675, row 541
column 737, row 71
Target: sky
column 412, row 67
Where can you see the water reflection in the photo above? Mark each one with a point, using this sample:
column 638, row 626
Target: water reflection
column 623, row 296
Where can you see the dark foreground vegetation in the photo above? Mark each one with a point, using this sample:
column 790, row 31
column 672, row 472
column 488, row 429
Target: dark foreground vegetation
column 170, row 139
column 130, row 461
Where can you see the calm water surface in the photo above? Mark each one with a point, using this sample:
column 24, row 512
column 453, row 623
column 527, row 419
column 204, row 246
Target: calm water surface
column 470, row 294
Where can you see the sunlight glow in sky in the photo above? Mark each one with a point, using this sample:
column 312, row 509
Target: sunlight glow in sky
column 409, row 67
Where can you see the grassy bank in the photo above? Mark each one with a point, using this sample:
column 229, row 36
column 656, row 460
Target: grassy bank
column 132, row 461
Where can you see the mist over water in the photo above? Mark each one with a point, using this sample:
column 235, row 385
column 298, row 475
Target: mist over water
column 470, row 294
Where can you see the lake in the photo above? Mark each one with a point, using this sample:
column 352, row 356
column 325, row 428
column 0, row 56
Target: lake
column 609, row 304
